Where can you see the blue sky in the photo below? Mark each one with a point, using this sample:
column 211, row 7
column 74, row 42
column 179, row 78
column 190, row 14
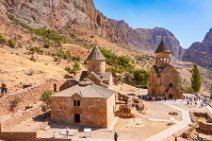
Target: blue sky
column 188, row 20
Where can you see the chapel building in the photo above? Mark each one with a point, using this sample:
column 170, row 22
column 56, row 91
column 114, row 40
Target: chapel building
column 164, row 78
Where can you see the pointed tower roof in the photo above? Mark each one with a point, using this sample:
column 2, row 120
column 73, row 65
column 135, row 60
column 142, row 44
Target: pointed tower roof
column 162, row 47
column 96, row 54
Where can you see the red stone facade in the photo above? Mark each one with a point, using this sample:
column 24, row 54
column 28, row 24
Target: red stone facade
column 98, row 112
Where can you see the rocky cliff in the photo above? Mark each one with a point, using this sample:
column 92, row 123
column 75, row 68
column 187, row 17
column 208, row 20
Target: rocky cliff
column 81, row 17
column 200, row 53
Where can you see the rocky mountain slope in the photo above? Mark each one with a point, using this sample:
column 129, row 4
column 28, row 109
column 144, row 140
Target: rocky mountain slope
column 82, row 18
column 80, row 23
column 200, row 53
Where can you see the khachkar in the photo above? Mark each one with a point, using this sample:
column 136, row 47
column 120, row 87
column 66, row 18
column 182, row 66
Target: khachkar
column 164, row 78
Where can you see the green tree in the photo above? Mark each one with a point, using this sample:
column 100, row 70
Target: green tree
column 196, row 79
column 46, row 98
column 211, row 93
column 141, row 76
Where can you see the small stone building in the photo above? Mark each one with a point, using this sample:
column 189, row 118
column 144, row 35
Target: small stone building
column 84, row 104
column 164, row 77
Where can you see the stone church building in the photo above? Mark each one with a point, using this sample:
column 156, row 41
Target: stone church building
column 90, row 102
column 164, row 77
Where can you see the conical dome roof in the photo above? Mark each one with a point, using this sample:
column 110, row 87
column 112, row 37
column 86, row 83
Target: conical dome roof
column 162, row 47
column 96, row 54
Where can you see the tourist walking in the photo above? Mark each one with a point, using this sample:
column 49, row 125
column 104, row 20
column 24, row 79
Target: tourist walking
column 67, row 131
column 115, row 136
column 175, row 139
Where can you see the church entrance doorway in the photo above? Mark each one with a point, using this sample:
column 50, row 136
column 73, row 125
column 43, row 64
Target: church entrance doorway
column 77, row 118
column 170, row 96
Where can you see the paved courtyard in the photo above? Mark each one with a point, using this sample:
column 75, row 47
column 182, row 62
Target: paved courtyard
column 155, row 124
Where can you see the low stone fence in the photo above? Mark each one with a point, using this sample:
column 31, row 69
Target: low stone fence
column 184, row 133
column 17, row 118
column 26, row 136
column 206, row 127
column 18, row 136
column 206, row 115
column 27, row 96
column 20, row 117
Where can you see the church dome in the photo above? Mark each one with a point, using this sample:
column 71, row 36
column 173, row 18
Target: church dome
column 96, row 54
column 162, row 47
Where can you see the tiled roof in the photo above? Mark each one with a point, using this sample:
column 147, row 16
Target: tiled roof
column 91, row 91
column 162, row 47
column 96, row 54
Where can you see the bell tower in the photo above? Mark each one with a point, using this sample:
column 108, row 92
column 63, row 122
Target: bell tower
column 162, row 54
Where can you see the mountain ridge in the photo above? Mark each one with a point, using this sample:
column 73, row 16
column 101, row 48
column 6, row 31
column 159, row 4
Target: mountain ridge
column 200, row 52
column 81, row 17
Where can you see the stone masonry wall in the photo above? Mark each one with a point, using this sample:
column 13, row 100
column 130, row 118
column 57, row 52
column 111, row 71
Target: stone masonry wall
column 26, row 136
column 93, row 111
column 20, row 117
column 111, row 102
column 28, row 95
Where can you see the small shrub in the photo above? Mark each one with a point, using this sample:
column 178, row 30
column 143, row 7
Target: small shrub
column 33, row 58
column 46, row 98
column 46, row 44
column 3, row 41
column 11, row 43
column 67, row 56
column 15, row 102
column 36, row 49
column 74, row 69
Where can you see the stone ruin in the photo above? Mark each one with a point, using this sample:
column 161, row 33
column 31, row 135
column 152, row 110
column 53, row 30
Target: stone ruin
column 138, row 104
column 202, row 122
column 203, row 125
column 126, row 105
column 124, row 112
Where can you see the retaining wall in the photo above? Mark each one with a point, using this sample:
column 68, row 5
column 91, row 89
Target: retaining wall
column 27, row 96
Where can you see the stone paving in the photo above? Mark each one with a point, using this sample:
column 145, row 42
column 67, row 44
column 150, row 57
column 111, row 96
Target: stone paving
column 177, row 127
column 209, row 109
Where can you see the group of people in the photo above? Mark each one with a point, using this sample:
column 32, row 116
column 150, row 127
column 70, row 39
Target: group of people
column 154, row 98
column 190, row 100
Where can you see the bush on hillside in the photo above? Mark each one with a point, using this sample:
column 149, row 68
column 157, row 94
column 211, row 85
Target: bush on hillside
column 67, row 56
column 36, row 49
column 3, row 41
column 76, row 68
column 119, row 62
column 11, row 43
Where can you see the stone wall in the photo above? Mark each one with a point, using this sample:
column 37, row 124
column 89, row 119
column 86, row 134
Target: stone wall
column 111, row 102
column 96, row 66
column 20, row 117
column 26, row 136
column 205, row 127
column 27, row 96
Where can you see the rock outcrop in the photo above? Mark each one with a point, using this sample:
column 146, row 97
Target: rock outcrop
column 200, row 53
column 81, row 17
